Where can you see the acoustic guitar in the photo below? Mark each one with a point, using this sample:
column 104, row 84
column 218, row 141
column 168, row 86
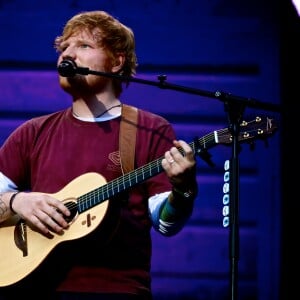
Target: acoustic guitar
column 23, row 249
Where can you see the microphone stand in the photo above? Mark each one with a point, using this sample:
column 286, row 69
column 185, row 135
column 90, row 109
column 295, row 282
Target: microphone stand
column 235, row 106
column 223, row 96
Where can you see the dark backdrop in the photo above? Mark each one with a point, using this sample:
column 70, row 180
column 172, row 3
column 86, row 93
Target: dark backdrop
column 290, row 65
column 240, row 48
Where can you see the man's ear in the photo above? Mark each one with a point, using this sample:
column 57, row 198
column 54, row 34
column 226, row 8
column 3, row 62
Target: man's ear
column 119, row 63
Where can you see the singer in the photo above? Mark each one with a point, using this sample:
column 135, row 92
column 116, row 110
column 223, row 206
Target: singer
column 65, row 194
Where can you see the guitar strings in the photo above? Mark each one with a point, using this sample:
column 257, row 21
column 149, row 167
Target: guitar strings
column 107, row 189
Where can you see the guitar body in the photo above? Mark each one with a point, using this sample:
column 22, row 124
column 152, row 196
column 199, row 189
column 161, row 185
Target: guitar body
column 23, row 249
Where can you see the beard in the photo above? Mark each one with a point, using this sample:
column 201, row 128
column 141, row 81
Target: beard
column 84, row 85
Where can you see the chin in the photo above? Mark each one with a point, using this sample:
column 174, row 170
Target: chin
column 65, row 83
column 73, row 85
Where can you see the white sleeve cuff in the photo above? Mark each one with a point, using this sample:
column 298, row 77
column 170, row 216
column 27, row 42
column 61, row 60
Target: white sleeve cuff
column 6, row 185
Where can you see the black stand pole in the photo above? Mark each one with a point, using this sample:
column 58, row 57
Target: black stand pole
column 235, row 106
column 235, row 114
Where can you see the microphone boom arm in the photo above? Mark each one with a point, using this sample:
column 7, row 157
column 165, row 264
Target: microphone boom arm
column 69, row 68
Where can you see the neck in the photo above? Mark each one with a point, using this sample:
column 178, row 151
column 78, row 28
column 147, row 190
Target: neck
column 95, row 109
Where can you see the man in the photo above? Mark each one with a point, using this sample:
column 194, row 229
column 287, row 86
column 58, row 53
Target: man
column 50, row 165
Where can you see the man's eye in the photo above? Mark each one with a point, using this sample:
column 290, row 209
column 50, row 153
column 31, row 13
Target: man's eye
column 84, row 46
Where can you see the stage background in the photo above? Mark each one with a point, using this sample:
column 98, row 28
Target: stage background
column 224, row 45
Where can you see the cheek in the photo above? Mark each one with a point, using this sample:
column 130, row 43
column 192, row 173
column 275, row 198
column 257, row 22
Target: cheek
column 102, row 63
column 96, row 65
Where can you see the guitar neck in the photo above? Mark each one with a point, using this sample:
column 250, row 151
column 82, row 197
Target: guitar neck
column 257, row 128
column 135, row 177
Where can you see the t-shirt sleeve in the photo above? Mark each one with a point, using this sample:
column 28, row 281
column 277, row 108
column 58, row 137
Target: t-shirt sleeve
column 14, row 155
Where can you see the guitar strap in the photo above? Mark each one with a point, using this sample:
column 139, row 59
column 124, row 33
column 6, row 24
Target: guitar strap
column 127, row 137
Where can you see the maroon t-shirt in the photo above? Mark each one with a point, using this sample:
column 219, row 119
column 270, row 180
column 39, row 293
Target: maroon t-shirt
column 48, row 153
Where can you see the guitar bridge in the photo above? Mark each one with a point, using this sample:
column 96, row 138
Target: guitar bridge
column 20, row 237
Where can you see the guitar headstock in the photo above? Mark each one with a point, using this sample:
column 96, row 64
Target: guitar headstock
column 259, row 128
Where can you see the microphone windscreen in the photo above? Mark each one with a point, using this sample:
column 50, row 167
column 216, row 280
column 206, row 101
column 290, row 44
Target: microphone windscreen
column 67, row 68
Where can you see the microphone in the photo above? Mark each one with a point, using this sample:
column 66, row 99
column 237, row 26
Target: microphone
column 68, row 68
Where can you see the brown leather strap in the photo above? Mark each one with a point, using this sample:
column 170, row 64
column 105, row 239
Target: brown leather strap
column 127, row 137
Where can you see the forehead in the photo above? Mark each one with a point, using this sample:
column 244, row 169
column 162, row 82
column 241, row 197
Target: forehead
column 83, row 34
